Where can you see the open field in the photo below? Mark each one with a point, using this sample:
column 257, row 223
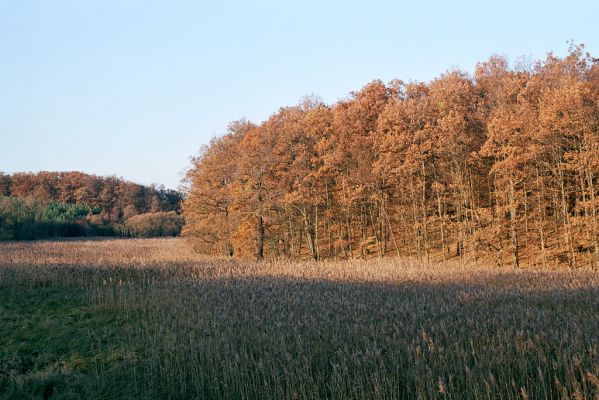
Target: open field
column 150, row 319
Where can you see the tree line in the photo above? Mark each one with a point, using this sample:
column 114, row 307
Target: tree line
column 502, row 165
column 59, row 204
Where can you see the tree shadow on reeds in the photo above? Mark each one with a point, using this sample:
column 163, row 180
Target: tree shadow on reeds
column 167, row 333
column 296, row 338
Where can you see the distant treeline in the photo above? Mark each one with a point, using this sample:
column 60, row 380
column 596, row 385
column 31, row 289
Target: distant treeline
column 501, row 165
column 67, row 204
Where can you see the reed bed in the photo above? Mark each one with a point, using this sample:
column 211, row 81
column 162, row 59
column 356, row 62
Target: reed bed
column 151, row 319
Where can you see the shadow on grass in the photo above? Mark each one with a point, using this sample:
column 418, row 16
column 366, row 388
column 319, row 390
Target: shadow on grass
column 146, row 335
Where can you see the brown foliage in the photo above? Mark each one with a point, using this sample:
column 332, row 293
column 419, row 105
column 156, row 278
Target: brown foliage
column 503, row 165
column 114, row 199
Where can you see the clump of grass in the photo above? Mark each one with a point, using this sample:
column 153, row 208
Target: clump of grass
column 151, row 319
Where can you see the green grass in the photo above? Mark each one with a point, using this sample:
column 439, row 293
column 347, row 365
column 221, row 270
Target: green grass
column 54, row 344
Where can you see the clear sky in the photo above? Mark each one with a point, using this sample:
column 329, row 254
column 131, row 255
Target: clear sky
column 134, row 87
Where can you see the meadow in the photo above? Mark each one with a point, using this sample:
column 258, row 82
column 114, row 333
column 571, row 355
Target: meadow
column 148, row 318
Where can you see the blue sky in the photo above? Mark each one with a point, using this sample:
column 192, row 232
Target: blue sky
column 134, row 88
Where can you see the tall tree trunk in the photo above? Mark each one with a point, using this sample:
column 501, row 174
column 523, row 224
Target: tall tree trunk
column 228, row 232
column 391, row 232
column 513, row 227
column 566, row 219
column 328, row 223
column 424, row 215
column 417, row 230
column 442, row 220
column 594, row 224
column 260, row 229
column 541, row 220
column 316, row 232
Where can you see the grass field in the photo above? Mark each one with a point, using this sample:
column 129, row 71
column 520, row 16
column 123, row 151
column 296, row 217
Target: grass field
column 150, row 319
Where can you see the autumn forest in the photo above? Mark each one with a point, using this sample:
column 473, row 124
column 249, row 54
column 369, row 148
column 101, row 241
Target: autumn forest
column 63, row 204
column 413, row 240
column 502, row 165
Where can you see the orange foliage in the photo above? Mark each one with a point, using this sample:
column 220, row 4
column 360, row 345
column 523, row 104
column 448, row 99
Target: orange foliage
column 503, row 165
